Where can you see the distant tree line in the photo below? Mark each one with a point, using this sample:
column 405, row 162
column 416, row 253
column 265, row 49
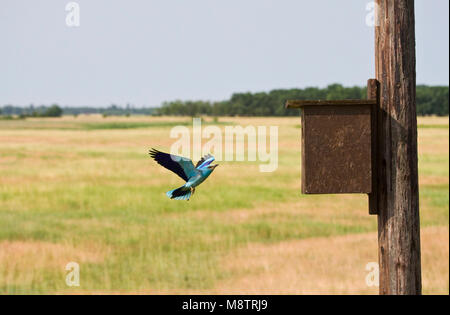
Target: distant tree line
column 431, row 100
column 55, row 111
column 8, row 111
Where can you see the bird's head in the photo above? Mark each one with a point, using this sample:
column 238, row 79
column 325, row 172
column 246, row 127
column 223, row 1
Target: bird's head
column 212, row 167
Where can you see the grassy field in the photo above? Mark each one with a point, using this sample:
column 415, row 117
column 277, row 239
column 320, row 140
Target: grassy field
column 85, row 190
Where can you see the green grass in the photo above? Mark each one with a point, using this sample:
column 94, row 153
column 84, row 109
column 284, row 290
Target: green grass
column 129, row 125
column 431, row 126
column 104, row 124
column 56, row 125
column 65, row 187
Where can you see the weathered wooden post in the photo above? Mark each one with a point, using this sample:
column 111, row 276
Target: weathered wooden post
column 370, row 146
column 398, row 189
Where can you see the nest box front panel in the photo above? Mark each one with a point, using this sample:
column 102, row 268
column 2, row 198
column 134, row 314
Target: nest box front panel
column 336, row 149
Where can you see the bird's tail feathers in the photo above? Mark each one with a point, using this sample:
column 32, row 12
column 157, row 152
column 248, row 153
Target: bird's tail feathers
column 181, row 193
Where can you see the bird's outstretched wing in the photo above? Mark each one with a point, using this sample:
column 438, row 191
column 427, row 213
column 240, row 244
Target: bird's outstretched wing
column 181, row 166
column 207, row 158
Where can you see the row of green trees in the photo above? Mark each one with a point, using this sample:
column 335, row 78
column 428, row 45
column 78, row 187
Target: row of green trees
column 55, row 110
column 8, row 111
column 431, row 100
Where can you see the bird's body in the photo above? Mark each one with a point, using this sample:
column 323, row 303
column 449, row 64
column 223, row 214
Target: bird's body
column 183, row 167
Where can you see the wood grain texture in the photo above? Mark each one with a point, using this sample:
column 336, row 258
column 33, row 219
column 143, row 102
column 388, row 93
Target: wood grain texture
column 398, row 190
column 373, row 94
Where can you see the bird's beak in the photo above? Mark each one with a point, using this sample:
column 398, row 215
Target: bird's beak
column 215, row 165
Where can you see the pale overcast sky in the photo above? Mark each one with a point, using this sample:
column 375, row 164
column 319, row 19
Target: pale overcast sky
column 144, row 52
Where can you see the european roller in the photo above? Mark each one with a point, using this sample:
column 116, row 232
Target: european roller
column 183, row 167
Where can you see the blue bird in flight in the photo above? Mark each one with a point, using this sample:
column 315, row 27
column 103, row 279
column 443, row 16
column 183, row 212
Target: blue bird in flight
column 183, row 167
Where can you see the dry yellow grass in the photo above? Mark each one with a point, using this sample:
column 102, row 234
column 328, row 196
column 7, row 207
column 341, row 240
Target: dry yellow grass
column 37, row 256
column 326, row 265
column 45, row 254
column 432, row 120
